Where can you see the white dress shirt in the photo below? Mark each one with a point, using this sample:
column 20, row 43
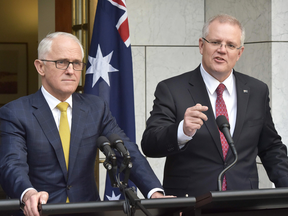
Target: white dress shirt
column 53, row 102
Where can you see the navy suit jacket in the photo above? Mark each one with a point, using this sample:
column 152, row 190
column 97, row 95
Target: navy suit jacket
column 31, row 153
column 194, row 169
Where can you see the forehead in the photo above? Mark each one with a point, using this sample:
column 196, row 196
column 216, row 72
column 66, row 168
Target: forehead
column 64, row 47
column 224, row 31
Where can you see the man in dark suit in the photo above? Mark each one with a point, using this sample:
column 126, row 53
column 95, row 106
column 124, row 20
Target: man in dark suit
column 183, row 129
column 32, row 162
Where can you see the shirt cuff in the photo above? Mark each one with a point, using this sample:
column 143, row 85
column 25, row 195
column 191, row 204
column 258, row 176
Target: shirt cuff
column 22, row 195
column 181, row 136
column 153, row 191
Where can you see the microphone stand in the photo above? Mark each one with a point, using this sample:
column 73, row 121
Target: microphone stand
column 112, row 170
column 131, row 199
column 232, row 147
column 224, row 127
column 135, row 201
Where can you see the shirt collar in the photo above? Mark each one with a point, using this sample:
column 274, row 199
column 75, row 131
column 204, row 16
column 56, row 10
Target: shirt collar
column 52, row 101
column 212, row 83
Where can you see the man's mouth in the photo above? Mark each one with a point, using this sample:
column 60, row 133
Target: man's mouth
column 219, row 59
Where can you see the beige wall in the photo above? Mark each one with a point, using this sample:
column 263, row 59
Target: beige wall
column 19, row 23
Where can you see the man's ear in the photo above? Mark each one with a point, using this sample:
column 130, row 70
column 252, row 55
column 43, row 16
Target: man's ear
column 201, row 44
column 240, row 52
column 39, row 65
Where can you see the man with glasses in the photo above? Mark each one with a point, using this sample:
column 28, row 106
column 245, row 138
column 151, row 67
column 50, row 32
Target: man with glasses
column 182, row 125
column 34, row 162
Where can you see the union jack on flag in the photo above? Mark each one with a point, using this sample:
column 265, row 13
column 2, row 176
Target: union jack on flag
column 109, row 69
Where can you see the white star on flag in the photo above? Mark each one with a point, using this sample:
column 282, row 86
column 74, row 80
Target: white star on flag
column 113, row 197
column 100, row 66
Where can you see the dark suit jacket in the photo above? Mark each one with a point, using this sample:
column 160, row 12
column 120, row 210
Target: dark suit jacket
column 31, row 153
column 194, row 169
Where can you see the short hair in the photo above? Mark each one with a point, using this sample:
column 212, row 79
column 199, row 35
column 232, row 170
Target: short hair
column 224, row 18
column 44, row 46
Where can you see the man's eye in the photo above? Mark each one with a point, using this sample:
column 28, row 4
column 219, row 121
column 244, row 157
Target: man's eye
column 231, row 46
column 215, row 43
column 61, row 62
column 76, row 63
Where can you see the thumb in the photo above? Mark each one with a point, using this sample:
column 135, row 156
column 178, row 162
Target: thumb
column 43, row 197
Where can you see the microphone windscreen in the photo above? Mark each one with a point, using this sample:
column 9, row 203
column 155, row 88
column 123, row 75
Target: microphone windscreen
column 114, row 138
column 222, row 121
column 101, row 140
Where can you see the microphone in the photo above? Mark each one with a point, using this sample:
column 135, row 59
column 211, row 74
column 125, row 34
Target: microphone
column 111, row 161
column 105, row 146
column 224, row 127
column 121, row 148
column 119, row 145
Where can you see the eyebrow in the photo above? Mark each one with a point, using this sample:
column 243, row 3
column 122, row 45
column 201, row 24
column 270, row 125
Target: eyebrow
column 228, row 42
column 65, row 59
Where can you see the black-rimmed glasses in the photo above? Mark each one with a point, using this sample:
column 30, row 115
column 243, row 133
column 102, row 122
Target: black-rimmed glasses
column 64, row 64
column 217, row 44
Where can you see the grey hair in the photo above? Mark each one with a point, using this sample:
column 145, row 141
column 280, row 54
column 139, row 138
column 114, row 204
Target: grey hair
column 224, row 18
column 44, row 46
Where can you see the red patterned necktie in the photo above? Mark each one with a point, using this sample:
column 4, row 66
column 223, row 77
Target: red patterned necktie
column 221, row 110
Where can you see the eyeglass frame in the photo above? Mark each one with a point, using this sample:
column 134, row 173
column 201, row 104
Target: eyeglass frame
column 215, row 43
column 55, row 61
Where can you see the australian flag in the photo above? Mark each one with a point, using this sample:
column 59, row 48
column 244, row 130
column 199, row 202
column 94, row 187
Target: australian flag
column 109, row 70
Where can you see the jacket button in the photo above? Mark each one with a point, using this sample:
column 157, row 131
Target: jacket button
column 69, row 187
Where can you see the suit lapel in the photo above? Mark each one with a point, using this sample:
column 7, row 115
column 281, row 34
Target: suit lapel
column 199, row 94
column 46, row 121
column 79, row 115
column 243, row 92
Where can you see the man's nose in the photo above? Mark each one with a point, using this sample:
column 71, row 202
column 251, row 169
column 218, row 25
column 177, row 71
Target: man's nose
column 222, row 47
column 70, row 68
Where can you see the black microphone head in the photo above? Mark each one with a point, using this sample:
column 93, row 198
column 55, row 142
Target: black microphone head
column 114, row 138
column 101, row 141
column 222, row 122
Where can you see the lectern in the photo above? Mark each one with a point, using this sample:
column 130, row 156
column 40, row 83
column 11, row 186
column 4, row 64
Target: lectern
column 9, row 206
column 157, row 207
column 260, row 202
